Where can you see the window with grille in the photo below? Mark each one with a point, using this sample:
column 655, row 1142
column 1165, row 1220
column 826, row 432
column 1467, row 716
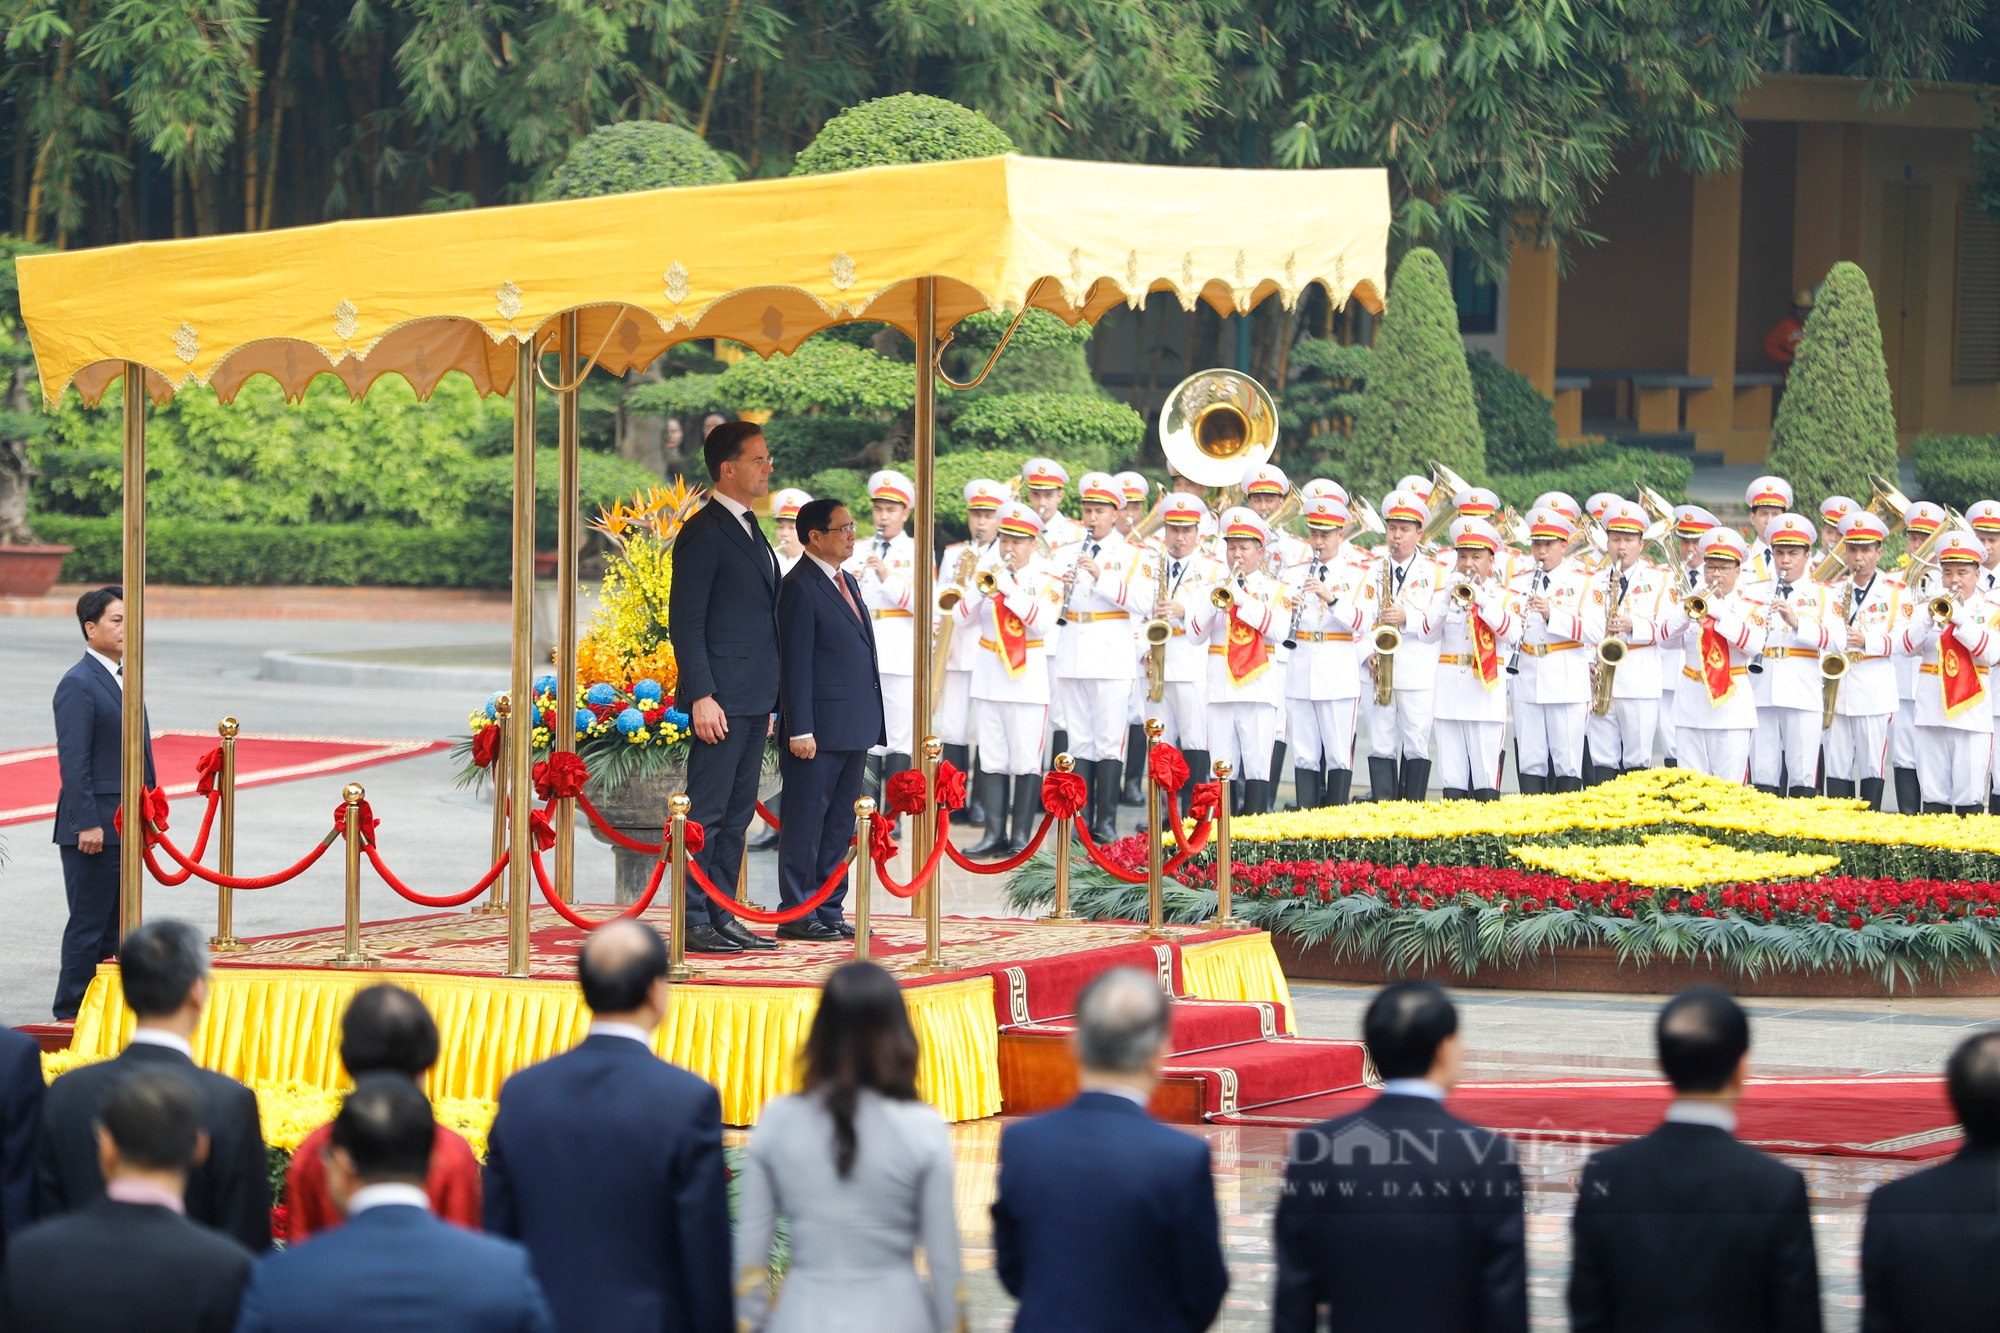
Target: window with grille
column 1978, row 332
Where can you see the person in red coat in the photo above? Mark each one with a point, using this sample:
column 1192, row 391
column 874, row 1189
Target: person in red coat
column 386, row 1030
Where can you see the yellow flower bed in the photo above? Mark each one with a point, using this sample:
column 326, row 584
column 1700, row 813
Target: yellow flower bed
column 1634, row 801
column 1671, row 860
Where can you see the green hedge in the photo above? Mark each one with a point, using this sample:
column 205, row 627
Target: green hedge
column 1602, row 466
column 1958, row 470
column 188, row 551
column 1085, row 434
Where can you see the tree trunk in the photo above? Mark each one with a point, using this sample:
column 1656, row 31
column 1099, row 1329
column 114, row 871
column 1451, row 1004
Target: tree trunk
column 16, row 473
column 642, row 438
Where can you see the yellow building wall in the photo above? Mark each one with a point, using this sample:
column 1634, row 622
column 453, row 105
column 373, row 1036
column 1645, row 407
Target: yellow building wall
column 1624, row 304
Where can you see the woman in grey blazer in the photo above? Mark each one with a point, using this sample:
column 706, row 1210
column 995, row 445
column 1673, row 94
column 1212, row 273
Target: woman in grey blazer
column 861, row 1171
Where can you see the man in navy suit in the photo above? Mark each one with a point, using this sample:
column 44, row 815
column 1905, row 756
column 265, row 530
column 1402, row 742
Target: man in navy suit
column 21, row 1088
column 723, row 614
column 829, row 713
column 90, row 713
column 1402, row 1216
column 393, row 1265
column 606, row 1162
column 1105, row 1218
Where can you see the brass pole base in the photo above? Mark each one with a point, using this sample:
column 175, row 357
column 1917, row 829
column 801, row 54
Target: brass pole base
column 490, row 909
column 932, row 966
column 354, row 961
column 225, row 944
column 679, row 973
column 1065, row 919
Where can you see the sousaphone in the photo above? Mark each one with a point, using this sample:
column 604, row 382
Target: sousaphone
column 1216, row 424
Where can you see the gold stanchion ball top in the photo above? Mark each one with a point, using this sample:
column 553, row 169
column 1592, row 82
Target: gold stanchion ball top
column 678, row 803
column 933, row 747
column 352, row 793
column 1065, row 764
column 1155, row 728
column 503, row 706
column 1222, row 768
column 864, row 807
column 226, row 728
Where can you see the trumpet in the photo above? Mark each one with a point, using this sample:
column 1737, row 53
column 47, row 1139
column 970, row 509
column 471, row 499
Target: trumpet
column 1696, row 606
column 1942, row 610
column 1463, row 594
column 1222, row 597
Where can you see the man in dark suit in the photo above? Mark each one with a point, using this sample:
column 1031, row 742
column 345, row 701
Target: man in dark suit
column 90, row 713
column 131, row 1262
column 606, row 1162
column 1403, row 1216
column 21, row 1089
column 164, row 968
column 1930, row 1252
column 723, row 615
column 1105, row 1218
column 829, row 713
column 1687, row 1228
column 393, row 1265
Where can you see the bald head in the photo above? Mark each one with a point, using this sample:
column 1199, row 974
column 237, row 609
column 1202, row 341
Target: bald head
column 618, row 965
column 1121, row 1022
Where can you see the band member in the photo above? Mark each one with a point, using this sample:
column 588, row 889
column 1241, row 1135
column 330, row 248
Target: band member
column 1833, row 511
column 1108, row 590
column 1561, row 501
column 1042, row 484
column 1715, row 715
column 1010, row 678
column 785, row 506
column 1767, row 497
column 1404, row 578
column 952, row 710
column 1691, row 524
column 1264, row 490
column 1473, row 620
column 1921, row 525
column 1189, row 573
column 1799, row 625
column 1642, row 592
column 1871, row 608
column 1511, row 565
column 885, row 566
column 1242, row 621
column 1562, row 619
column 1955, row 640
column 1137, row 491
column 1983, row 517
column 1332, row 608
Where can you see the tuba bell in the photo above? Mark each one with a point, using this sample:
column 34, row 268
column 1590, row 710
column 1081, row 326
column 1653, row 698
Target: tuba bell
column 1887, row 503
column 1217, row 423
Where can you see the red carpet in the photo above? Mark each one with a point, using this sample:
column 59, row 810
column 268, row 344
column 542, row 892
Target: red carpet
column 29, row 780
column 1906, row 1118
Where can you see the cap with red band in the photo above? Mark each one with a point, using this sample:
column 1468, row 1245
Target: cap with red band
column 1184, row 510
column 787, row 502
column 1044, row 474
column 1549, row 525
column 1325, row 512
column 1017, row 520
column 1791, row 530
column 1624, row 517
column 1241, row 524
column 1401, row 506
column 892, row 486
column 1100, row 488
column 982, row 493
column 1724, row 544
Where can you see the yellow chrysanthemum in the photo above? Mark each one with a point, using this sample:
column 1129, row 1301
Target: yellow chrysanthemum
column 1671, row 860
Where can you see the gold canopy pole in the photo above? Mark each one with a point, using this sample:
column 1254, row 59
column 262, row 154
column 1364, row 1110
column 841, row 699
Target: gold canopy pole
column 924, row 826
column 132, row 726
column 520, row 754
column 568, row 423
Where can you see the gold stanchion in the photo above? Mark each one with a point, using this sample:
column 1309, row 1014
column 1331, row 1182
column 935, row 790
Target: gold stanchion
column 1223, row 892
column 350, row 955
column 864, row 873
column 1062, row 915
column 132, row 667
column 224, row 939
column 1156, row 911
column 496, row 897
column 920, row 850
column 563, row 733
column 519, row 755
column 677, row 848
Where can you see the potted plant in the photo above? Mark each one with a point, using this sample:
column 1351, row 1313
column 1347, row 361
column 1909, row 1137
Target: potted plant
column 28, row 568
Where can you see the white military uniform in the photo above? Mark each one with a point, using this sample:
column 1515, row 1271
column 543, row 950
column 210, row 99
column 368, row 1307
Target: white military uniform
column 1623, row 737
column 1323, row 678
column 1713, row 736
column 1953, row 752
column 951, row 711
column 1243, row 715
column 1857, row 746
column 1010, row 710
column 1790, row 701
column 1552, row 688
column 1684, row 584
column 1402, row 728
column 1094, row 662
column 890, row 600
column 1183, row 705
column 1471, row 715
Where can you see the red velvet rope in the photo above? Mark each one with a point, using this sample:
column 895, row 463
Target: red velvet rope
column 1014, row 862
column 617, row 839
column 764, row 813
column 783, row 916
column 582, row 922
column 153, row 835
column 422, row 900
column 1110, row 868
column 237, row 881
column 929, row 867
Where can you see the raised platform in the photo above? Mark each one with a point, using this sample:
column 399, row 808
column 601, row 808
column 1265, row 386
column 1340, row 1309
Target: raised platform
column 275, row 1007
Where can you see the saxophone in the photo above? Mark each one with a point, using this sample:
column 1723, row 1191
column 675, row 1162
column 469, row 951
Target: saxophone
column 1387, row 639
column 1834, row 666
column 947, row 599
column 1157, row 632
column 1610, row 651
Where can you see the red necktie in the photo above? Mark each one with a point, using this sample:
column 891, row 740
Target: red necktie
column 847, row 596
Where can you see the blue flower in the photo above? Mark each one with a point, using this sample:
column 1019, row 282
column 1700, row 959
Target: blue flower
column 601, row 693
column 674, row 717
column 584, row 719
column 546, row 684
column 493, row 704
column 646, row 689
column 631, row 720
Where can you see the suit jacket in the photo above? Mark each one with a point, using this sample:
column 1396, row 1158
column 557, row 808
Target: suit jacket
column 395, row 1267
column 123, row 1268
column 90, row 717
column 231, row 1191
column 723, row 614
column 1401, row 1216
column 606, row 1162
column 1930, row 1252
column 829, row 685
column 1687, row 1228
column 1105, row 1219
column 21, row 1091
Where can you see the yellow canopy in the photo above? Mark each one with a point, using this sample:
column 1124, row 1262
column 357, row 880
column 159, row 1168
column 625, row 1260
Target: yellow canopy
column 765, row 263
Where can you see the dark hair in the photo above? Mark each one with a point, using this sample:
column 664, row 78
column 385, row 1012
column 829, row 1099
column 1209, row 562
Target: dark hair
column 1405, row 1025
column 1973, row 1077
column 1121, row 1021
column 725, row 442
column 861, row 1038
column 385, row 1125
column 387, row 1030
column 1703, row 1035
column 91, row 606
column 618, row 964
column 158, row 965
column 155, row 1119
column 816, row 516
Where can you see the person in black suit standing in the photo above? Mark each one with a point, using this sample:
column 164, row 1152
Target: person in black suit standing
column 131, row 1262
column 164, row 967
column 1686, row 1228
column 829, row 713
column 90, row 716
column 723, row 617
column 1403, row 1216
column 606, row 1162
column 21, row 1089
column 1930, row 1251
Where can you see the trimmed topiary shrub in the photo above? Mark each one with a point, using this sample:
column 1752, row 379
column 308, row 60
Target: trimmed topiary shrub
column 1082, row 433
column 1418, row 405
column 1955, row 470
column 1518, row 423
column 1837, row 421
column 636, row 155
column 908, row 127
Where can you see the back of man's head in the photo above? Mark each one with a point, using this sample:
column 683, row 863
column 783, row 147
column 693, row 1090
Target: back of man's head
column 1121, row 1022
column 724, row 442
column 154, row 1118
column 386, row 1129
column 1703, row 1036
column 618, row 965
column 158, row 964
column 387, row 1030
column 1973, row 1076
column 1404, row 1027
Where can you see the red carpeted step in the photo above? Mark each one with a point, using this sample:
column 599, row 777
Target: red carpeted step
column 1274, row 1070
column 1198, row 1025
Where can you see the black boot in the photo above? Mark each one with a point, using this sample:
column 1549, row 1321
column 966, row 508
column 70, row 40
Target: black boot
column 1534, row 784
column 1801, row 793
column 1486, row 794
column 1306, row 788
column 1909, row 792
column 1338, row 787
column 1382, row 779
column 1277, row 767
column 992, row 795
column 1973, row 809
column 1839, row 788
column 1416, row 779
column 1257, row 795
column 1200, row 769
column 1671, row 762
column 1058, row 744
column 1087, row 770
column 1936, row 808
column 871, row 779
column 1565, row 784
column 960, row 757
column 1239, row 797
column 1104, row 801
column 1993, row 804
column 1457, row 794
column 1134, row 790
column 975, row 795
column 1768, row 791
column 1871, row 792
column 1027, row 811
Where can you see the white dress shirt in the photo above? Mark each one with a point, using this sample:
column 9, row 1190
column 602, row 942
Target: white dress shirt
column 1412, row 1087
column 173, row 1041
column 629, row 1031
column 1713, row 1114
column 390, row 1193
column 116, row 669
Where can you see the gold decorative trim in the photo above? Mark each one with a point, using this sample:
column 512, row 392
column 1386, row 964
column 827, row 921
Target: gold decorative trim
column 346, row 320
column 1187, row 291
column 187, row 343
column 676, row 279
column 507, row 300
column 843, row 271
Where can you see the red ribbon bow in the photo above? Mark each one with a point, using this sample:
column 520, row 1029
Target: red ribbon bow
column 1205, row 801
column 903, row 793
column 152, row 812
column 368, row 822
column 1064, row 794
column 695, row 836
column 209, row 766
column 950, row 786
column 544, row 831
column 485, row 746
column 560, row 777
column 1167, row 767
column 883, row 832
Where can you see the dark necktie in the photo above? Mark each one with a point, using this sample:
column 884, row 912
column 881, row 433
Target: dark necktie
column 1174, row 573
column 1319, row 573
column 1624, row 586
column 1541, row 581
column 1400, row 571
column 1093, row 549
column 882, row 549
column 1784, row 591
